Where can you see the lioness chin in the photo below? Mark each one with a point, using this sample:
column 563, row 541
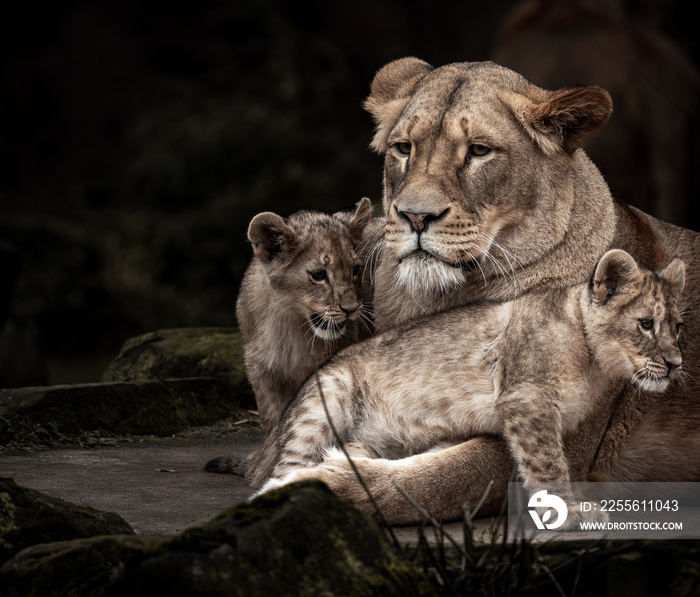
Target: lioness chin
column 488, row 195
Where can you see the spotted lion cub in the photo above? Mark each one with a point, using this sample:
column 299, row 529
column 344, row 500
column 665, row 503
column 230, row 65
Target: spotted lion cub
column 300, row 299
column 529, row 369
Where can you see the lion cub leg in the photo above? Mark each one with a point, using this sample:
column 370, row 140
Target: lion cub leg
column 533, row 426
column 303, row 434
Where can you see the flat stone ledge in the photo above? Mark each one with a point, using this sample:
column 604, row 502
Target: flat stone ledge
column 185, row 352
column 159, row 407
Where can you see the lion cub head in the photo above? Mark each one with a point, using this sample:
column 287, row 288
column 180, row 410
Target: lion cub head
column 311, row 262
column 478, row 168
column 632, row 320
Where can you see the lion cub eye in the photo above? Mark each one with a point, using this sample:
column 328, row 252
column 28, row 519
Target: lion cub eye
column 646, row 323
column 318, row 275
column 479, row 150
column 403, row 148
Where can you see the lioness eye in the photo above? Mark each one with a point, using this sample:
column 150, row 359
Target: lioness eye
column 403, row 148
column 318, row 275
column 479, row 150
column 646, row 323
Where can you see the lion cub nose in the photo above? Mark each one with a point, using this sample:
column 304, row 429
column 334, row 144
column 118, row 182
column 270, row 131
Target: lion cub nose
column 349, row 309
column 673, row 361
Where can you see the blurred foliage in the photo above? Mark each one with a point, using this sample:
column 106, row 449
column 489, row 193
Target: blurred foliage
column 138, row 139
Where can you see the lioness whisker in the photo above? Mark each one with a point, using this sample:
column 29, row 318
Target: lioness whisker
column 511, row 275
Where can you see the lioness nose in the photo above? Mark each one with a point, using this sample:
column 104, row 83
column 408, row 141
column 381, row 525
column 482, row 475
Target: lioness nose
column 418, row 221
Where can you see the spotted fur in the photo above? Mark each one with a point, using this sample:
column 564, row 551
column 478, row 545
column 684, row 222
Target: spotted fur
column 530, row 369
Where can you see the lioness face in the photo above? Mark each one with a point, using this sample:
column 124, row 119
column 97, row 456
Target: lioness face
column 448, row 180
column 473, row 159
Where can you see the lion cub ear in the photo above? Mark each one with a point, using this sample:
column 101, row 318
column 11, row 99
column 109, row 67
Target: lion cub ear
column 392, row 87
column 565, row 118
column 674, row 275
column 616, row 274
column 362, row 217
column 271, row 237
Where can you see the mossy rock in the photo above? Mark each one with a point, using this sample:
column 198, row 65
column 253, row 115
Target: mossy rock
column 29, row 518
column 185, row 352
column 81, row 567
column 299, row 540
column 147, row 407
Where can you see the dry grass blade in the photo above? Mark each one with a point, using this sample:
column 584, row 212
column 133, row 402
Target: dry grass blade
column 434, row 522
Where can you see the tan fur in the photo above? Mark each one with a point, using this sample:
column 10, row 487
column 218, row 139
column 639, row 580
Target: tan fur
column 282, row 311
column 530, row 369
column 649, row 151
column 531, row 213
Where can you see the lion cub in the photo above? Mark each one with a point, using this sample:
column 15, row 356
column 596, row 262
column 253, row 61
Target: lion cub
column 300, row 300
column 529, row 369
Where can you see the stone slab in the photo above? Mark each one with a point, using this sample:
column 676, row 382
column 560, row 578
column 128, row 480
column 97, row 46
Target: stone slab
column 159, row 407
column 185, row 352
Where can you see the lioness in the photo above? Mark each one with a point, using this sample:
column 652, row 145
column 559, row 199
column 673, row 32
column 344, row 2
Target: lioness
column 529, row 369
column 488, row 196
column 300, row 300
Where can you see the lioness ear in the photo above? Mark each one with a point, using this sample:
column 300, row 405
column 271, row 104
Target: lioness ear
column 362, row 216
column 390, row 91
column 566, row 118
column 270, row 236
column 616, row 271
column 674, row 274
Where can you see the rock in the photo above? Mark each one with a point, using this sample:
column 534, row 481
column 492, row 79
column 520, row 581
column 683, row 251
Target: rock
column 148, row 407
column 298, row 540
column 81, row 567
column 29, row 518
column 185, row 352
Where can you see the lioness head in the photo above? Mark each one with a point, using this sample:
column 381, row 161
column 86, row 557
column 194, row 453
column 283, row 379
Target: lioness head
column 311, row 262
column 478, row 163
column 633, row 321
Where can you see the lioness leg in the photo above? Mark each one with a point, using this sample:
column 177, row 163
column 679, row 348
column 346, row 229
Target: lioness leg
column 440, row 481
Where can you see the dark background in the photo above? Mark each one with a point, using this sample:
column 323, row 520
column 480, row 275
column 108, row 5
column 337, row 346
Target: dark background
column 137, row 140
